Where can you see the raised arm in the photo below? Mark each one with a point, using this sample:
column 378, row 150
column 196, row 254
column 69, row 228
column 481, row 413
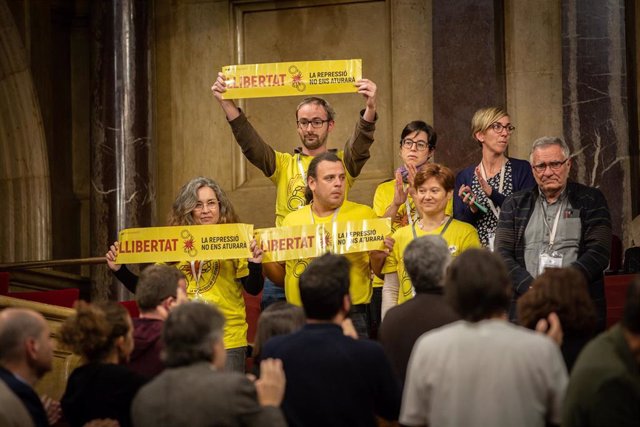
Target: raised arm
column 356, row 150
column 258, row 152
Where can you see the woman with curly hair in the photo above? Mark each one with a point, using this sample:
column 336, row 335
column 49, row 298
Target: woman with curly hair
column 562, row 291
column 101, row 388
column 202, row 201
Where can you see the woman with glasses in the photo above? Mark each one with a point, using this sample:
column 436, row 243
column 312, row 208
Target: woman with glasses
column 218, row 282
column 496, row 176
column 394, row 198
column 417, row 145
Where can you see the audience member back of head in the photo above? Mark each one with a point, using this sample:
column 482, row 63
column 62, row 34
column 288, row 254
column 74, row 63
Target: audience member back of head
column 482, row 370
column 562, row 291
column 425, row 259
column 332, row 379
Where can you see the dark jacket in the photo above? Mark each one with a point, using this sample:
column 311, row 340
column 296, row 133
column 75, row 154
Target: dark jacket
column 521, row 177
column 100, row 390
column 148, row 344
column 334, row 380
column 604, row 387
column 594, row 248
column 28, row 396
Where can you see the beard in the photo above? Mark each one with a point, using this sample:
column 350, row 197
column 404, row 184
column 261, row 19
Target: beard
column 315, row 142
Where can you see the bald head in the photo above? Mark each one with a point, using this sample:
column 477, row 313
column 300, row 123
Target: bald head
column 24, row 342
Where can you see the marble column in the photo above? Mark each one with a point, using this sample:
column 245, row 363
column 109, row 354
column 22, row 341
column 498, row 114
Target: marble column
column 123, row 190
column 468, row 73
column 25, row 222
column 533, row 56
column 595, row 99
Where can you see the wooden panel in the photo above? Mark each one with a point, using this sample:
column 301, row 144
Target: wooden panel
column 196, row 38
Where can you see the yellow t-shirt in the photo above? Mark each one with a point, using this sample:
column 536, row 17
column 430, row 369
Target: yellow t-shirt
column 460, row 236
column 290, row 181
column 360, row 283
column 219, row 285
column 383, row 198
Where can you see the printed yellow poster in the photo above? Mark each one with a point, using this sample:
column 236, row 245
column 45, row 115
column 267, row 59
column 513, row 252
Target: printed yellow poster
column 291, row 78
column 310, row 241
column 184, row 243
column 301, row 241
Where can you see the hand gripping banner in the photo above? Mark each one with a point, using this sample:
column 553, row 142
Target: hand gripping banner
column 184, row 243
column 309, row 241
column 291, row 78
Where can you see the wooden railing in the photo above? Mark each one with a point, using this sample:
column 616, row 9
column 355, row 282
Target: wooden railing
column 40, row 276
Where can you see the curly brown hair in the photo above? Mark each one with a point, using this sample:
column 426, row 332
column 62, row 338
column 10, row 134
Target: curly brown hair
column 92, row 331
column 563, row 291
column 185, row 203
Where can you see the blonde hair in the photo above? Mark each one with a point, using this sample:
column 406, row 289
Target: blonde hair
column 483, row 118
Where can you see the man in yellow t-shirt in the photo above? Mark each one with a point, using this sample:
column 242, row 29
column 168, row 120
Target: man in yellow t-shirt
column 315, row 121
column 326, row 191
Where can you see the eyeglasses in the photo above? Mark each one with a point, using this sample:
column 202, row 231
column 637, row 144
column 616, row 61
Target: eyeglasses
column 315, row 123
column 498, row 127
column 211, row 205
column 408, row 144
column 554, row 166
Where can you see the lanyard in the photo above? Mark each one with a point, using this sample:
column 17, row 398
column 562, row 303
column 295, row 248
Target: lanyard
column 552, row 231
column 415, row 235
column 301, row 170
column 496, row 211
column 197, row 276
column 407, row 206
column 333, row 219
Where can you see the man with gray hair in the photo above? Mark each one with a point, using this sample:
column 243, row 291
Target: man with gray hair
column 558, row 223
column 426, row 259
column 195, row 390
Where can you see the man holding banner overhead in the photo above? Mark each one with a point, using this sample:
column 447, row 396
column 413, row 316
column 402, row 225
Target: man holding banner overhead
column 314, row 120
column 326, row 192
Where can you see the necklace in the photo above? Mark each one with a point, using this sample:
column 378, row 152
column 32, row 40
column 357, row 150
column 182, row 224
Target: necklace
column 489, row 172
column 421, row 224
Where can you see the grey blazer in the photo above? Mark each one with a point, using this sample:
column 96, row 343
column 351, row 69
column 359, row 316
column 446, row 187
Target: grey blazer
column 199, row 396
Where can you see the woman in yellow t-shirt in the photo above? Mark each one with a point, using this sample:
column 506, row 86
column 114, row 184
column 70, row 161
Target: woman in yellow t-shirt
column 202, row 201
column 393, row 198
column 433, row 186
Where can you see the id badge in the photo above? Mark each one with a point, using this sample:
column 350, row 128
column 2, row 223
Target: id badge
column 492, row 239
column 552, row 260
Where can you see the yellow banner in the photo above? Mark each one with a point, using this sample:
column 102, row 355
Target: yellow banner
column 184, row 243
column 309, row 241
column 292, row 78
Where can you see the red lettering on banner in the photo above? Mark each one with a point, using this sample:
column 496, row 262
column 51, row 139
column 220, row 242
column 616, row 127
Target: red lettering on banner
column 152, row 245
